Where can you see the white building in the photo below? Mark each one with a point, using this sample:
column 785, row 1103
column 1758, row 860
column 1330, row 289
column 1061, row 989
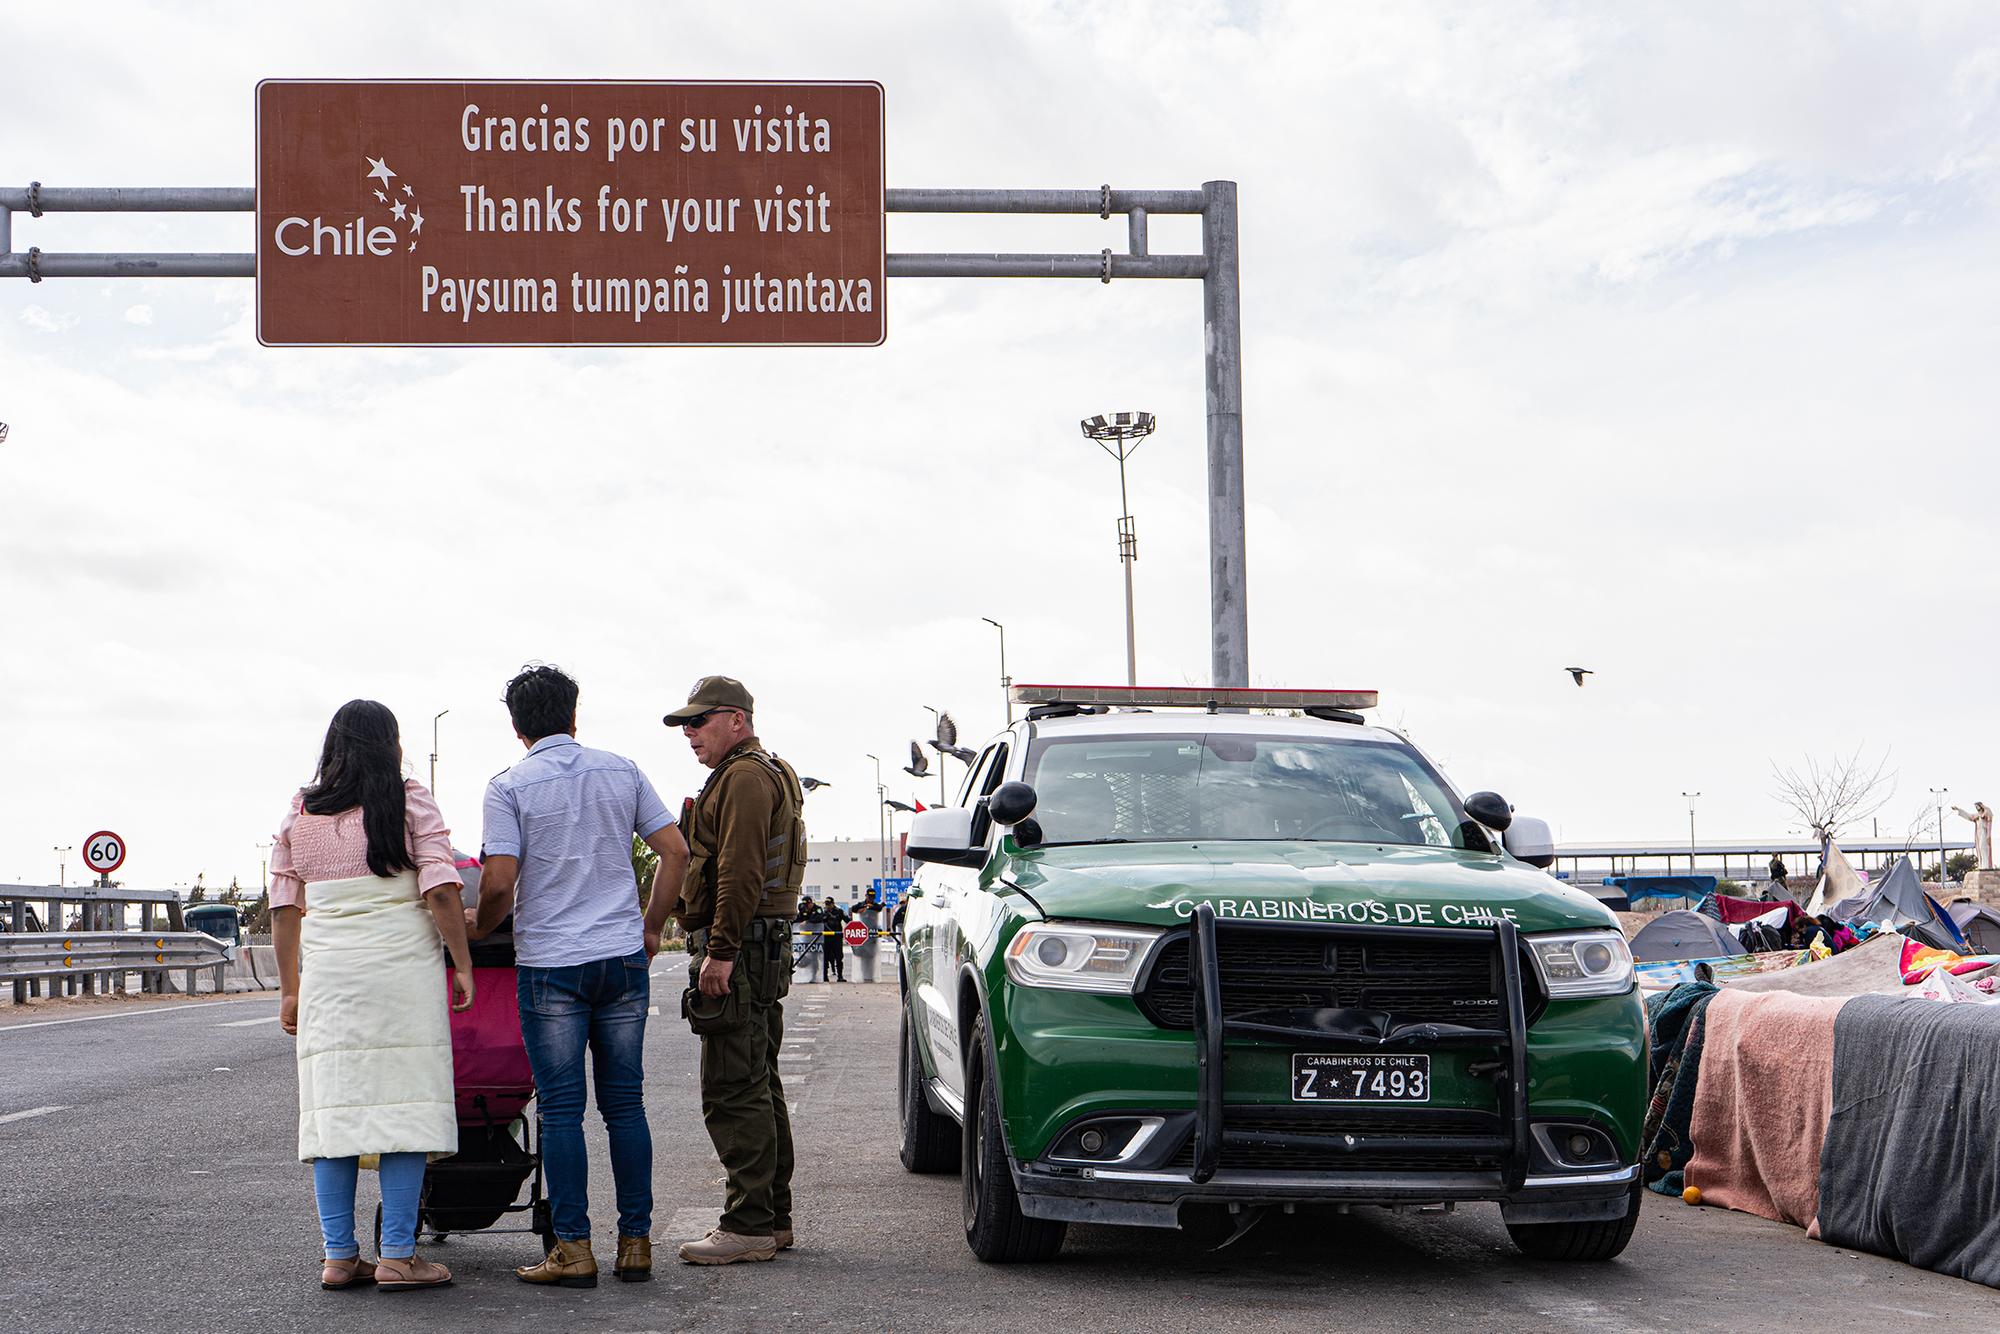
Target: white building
column 845, row 867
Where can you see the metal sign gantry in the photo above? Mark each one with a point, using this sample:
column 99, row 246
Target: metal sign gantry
column 1215, row 266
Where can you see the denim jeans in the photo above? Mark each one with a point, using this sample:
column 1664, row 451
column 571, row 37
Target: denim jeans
column 602, row 1004
column 402, row 1185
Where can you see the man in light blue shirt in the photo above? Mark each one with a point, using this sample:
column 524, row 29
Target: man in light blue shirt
column 557, row 854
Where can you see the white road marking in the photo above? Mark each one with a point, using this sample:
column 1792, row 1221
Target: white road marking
column 130, row 1014
column 652, row 1009
column 805, row 1039
column 249, row 1023
column 32, row 1111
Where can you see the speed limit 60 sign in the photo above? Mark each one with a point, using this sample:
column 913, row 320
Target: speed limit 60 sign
column 104, row 852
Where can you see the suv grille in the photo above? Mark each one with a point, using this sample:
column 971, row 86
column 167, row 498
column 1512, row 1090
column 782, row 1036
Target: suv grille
column 1451, row 982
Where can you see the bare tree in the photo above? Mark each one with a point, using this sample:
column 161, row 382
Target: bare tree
column 1830, row 795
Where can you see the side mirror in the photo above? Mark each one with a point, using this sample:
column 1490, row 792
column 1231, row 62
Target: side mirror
column 1531, row 840
column 1011, row 803
column 1490, row 809
column 944, row 836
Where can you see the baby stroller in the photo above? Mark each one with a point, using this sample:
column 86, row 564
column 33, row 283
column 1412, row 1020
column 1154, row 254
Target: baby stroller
column 481, row 1184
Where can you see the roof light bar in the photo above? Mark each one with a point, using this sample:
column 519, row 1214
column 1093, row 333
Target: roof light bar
column 1194, row 697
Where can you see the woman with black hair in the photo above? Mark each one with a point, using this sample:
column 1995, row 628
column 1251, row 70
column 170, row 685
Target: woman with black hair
column 359, row 858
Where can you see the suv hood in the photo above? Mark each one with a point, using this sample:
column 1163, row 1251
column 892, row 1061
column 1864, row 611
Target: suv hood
column 1159, row 884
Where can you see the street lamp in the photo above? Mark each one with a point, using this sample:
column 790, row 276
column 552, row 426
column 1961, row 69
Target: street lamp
column 264, row 867
column 938, row 717
column 1938, row 795
column 1118, row 434
column 1006, row 681
column 881, row 821
column 434, row 749
column 1690, row 799
column 62, row 864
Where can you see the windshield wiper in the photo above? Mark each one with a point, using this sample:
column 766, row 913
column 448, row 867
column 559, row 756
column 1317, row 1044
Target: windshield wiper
column 1089, row 842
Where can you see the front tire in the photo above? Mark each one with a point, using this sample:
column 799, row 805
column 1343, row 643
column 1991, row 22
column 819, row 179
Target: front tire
column 995, row 1228
column 930, row 1141
column 1582, row 1243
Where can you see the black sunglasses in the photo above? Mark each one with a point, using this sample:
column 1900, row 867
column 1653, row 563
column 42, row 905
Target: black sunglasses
column 701, row 719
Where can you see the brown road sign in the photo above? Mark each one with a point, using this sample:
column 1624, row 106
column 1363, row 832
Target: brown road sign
column 470, row 214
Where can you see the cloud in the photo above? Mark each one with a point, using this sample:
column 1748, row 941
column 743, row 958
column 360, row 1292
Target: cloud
column 138, row 314
column 40, row 319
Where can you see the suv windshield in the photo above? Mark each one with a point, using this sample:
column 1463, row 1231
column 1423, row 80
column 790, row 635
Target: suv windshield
column 1236, row 786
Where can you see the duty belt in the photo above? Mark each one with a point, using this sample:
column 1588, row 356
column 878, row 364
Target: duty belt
column 760, row 928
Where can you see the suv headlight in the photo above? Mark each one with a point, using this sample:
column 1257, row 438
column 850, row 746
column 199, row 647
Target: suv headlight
column 1072, row 957
column 1582, row 963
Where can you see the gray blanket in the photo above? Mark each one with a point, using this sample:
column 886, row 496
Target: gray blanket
column 1910, row 1169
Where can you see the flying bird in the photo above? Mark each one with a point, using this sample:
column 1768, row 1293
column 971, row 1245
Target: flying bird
column 947, row 732
column 813, row 784
column 895, row 805
column 959, row 753
column 920, row 763
column 1579, row 673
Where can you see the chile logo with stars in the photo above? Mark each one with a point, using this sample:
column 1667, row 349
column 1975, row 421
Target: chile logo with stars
column 402, row 200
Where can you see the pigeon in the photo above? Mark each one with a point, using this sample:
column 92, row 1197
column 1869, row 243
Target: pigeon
column 920, row 763
column 895, row 805
column 959, row 753
column 813, row 784
column 947, row 733
column 1579, row 673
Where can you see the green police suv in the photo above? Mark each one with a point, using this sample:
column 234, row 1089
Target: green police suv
column 1159, row 958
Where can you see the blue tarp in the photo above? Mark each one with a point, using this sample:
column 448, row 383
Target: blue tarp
column 1638, row 887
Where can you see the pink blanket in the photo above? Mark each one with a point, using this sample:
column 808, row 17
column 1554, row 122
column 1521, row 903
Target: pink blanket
column 1762, row 1102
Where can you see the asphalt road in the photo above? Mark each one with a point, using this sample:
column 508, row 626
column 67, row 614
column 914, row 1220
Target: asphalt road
column 148, row 1180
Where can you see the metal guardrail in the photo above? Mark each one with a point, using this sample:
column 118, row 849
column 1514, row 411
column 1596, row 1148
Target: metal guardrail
column 100, row 960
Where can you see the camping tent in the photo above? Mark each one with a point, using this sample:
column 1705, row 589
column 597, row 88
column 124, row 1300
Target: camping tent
column 1837, row 880
column 1979, row 924
column 1899, row 899
column 1684, row 934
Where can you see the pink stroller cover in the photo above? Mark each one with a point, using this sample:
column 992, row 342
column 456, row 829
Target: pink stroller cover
column 489, row 1063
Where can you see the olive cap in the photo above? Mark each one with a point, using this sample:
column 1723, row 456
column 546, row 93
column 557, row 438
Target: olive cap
column 711, row 692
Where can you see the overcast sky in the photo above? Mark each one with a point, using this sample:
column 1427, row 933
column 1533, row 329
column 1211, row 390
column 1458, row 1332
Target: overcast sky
column 1657, row 339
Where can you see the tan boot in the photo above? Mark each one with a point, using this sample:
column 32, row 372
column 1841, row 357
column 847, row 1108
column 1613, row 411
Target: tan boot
column 728, row 1248
column 569, row 1265
column 635, row 1260
column 783, row 1237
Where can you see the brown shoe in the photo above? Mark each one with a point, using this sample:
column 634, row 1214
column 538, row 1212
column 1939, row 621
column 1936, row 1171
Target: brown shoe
column 353, row 1272
column 569, row 1264
column 635, row 1260
column 409, row 1274
column 728, row 1248
column 783, row 1236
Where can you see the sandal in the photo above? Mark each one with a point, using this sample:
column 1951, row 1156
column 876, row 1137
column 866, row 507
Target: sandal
column 352, row 1272
column 409, row 1274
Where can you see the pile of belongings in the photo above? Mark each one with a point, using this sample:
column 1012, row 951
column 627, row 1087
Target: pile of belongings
column 1824, row 1111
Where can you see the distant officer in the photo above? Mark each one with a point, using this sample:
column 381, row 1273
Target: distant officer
column 831, row 921
column 747, row 860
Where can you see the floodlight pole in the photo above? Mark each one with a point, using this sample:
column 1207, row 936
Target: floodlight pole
column 1690, row 799
column 434, row 749
column 1216, row 266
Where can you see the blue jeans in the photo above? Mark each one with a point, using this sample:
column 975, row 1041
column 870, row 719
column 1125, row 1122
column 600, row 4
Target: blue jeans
column 603, row 1004
column 402, row 1184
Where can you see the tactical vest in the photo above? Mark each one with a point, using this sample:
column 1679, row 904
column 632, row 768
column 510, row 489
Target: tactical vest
column 784, row 852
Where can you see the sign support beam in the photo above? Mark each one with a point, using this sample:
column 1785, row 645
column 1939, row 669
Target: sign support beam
column 1216, row 266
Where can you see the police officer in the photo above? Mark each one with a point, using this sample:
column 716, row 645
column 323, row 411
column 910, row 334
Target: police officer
column 832, row 920
column 747, row 860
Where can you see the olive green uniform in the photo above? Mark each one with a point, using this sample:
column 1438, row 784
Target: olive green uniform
column 746, row 846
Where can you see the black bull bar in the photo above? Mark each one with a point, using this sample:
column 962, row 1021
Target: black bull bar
column 1356, row 1030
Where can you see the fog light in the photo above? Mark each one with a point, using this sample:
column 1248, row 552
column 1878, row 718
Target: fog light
column 1091, row 1141
column 1579, row 1147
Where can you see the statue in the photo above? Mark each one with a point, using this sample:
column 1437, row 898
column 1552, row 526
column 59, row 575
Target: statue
column 1982, row 833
